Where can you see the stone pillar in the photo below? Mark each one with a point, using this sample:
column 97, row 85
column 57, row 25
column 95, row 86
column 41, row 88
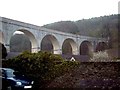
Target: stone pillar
column 59, row 51
column 94, row 44
column 35, row 49
column 76, row 52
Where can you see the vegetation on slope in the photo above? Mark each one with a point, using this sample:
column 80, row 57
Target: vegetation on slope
column 103, row 27
column 3, row 52
column 89, row 27
column 20, row 43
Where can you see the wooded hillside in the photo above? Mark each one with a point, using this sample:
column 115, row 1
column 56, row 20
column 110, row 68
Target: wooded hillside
column 104, row 26
column 89, row 27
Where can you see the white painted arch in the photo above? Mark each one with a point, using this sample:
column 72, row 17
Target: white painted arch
column 31, row 37
column 69, row 44
column 54, row 42
column 86, row 48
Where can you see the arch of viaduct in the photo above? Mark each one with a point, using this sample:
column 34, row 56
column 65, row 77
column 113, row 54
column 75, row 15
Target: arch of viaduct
column 36, row 34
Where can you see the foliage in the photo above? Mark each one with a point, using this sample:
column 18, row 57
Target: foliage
column 104, row 26
column 3, row 52
column 86, row 26
column 64, row 26
column 43, row 67
column 90, row 75
column 101, row 56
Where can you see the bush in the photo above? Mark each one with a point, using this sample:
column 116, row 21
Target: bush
column 43, row 67
column 100, row 57
column 3, row 52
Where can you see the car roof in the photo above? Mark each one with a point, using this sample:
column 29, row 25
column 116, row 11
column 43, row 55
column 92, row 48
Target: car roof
column 6, row 68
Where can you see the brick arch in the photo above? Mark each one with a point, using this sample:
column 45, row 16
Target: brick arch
column 50, row 43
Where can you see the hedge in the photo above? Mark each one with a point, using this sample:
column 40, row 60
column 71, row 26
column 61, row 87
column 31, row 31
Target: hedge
column 42, row 67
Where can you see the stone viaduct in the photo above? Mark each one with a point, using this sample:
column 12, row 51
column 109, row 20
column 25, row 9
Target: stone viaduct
column 36, row 35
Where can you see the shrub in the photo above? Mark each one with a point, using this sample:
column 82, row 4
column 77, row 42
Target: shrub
column 43, row 67
column 3, row 52
column 100, row 57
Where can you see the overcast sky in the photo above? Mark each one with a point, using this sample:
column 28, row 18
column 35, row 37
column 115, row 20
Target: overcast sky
column 40, row 12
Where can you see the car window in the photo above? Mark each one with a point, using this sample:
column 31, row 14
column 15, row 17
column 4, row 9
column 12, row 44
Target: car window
column 9, row 73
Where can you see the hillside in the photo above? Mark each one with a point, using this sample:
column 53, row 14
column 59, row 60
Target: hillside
column 19, row 43
column 89, row 27
column 103, row 27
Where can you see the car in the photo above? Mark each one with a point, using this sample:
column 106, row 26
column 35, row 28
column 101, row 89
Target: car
column 13, row 80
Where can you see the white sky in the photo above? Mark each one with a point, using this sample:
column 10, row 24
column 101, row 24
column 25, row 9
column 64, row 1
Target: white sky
column 40, row 12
